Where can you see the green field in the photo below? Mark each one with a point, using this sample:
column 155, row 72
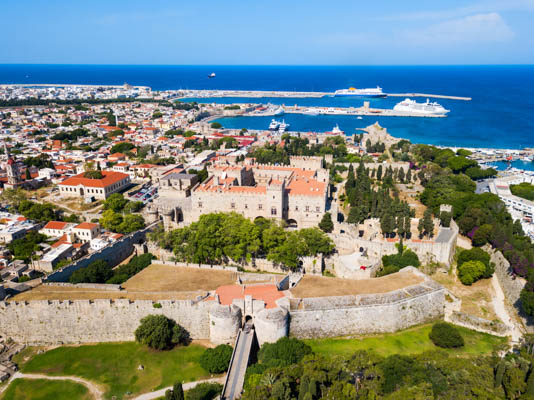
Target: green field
column 410, row 341
column 114, row 366
column 42, row 389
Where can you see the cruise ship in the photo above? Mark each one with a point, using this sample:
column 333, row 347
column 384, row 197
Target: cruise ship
column 428, row 108
column 369, row 92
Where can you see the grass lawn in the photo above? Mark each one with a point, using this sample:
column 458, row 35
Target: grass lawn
column 113, row 366
column 411, row 341
column 42, row 389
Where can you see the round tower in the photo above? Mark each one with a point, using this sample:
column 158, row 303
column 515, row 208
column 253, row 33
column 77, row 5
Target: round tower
column 225, row 322
column 271, row 324
column 151, row 214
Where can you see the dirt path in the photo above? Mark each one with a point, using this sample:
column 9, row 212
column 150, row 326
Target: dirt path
column 93, row 389
column 186, row 386
column 500, row 309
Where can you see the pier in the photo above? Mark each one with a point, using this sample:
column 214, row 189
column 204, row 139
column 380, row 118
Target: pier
column 294, row 94
column 379, row 112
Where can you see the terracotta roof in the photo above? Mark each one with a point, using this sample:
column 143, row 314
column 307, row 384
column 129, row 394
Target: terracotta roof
column 86, row 225
column 110, row 177
column 55, row 225
column 268, row 293
column 306, row 187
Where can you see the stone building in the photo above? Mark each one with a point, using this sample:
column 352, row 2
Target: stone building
column 80, row 186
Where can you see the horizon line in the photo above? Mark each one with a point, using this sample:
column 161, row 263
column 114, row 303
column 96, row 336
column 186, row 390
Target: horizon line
column 270, row 65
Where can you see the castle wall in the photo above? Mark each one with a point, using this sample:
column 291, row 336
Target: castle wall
column 82, row 321
column 324, row 319
column 113, row 254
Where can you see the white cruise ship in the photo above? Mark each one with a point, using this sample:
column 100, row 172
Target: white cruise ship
column 411, row 106
column 369, row 92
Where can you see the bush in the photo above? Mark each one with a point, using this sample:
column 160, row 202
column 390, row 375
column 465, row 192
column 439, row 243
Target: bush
column 216, row 125
column 204, row 391
column 160, row 333
column 216, row 360
column 471, row 271
column 477, row 254
column 284, row 352
column 446, row 335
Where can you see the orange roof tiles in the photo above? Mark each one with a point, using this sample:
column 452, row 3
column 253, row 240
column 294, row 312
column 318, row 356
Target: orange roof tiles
column 86, row 225
column 306, row 187
column 55, row 225
column 268, row 293
column 110, row 177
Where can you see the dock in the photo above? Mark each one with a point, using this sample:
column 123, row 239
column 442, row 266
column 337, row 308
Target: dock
column 295, row 94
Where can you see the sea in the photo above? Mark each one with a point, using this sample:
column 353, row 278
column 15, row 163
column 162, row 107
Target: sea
column 500, row 114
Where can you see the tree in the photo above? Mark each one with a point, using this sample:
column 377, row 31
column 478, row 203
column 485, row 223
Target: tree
column 216, row 360
column 428, row 224
column 216, row 125
column 326, row 223
column 471, row 271
column 284, row 352
column 122, row 147
column 96, row 272
column 176, row 393
column 477, row 254
column 445, row 218
column 159, row 332
column 93, row 174
column 482, row 235
column 379, row 173
column 446, row 335
column 28, row 175
column 115, row 202
column 204, row 391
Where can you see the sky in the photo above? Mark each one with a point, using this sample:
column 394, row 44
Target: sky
column 277, row 32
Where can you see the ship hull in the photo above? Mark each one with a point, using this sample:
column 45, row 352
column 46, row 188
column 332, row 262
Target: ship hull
column 362, row 95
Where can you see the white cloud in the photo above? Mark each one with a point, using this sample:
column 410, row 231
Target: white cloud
column 478, row 28
column 475, row 8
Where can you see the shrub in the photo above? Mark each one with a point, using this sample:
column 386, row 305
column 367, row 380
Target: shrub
column 471, row 271
column 216, row 125
column 216, row 360
column 477, row 254
column 96, row 272
column 204, row 391
column 284, row 352
column 160, row 333
column 176, row 393
column 446, row 335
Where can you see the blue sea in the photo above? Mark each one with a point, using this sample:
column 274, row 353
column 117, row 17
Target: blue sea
column 500, row 115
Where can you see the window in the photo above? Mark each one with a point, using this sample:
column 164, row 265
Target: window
column 317, row 209
column 246, row 206
column 199, row 204
column 273, row 211
column 296, row 208
column 232, row 206
column 260, row 206
column 307, row 208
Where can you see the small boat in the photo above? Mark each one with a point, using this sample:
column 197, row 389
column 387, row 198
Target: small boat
column 337, row 131
column 359, row 117
column 311, row 111
column 212, row 75
column 283, row 126
column 274, row 125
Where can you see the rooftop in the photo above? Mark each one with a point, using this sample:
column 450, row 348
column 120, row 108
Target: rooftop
column 109, row 178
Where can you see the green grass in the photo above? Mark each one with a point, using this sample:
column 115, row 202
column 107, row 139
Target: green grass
column 114, row 366
column 410, row 341
column 42, row 389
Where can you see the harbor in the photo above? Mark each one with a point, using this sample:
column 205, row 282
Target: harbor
column 295, row 94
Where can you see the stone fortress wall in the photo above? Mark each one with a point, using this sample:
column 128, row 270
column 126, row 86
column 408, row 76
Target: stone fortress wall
column 113, row 254
column 440, row 249
column 81, row 321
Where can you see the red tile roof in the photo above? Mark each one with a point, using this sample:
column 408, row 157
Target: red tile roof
column 86, row 225
column 55, row 225
column 110, row 177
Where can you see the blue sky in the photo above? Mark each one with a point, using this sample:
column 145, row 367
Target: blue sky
column 338, row 32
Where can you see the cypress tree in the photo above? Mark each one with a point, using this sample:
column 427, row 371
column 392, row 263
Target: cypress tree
column 379, row 173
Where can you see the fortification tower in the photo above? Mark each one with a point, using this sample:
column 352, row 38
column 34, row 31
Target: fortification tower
column 225, row 322
column 13, row 174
